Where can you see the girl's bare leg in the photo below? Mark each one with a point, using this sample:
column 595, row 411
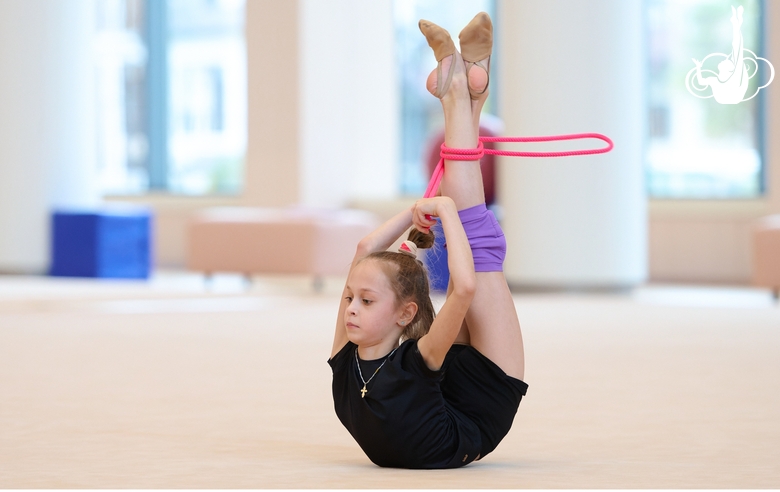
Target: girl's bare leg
column 462, row 179
column 491, row 325
column 477, row 79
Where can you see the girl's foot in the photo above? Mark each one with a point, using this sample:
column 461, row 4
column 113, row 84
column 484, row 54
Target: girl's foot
column 476, row 44
column 449, row 77
column 444, row 50
column 456, row 85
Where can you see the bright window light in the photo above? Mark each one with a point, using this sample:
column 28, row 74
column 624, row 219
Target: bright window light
column 700, row 148
column 171, row 96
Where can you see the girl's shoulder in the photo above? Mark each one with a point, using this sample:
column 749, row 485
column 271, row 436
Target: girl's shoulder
column 342, row 357
column 410, row 358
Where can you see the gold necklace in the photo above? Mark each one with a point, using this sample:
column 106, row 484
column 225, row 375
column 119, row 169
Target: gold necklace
column 365, row 383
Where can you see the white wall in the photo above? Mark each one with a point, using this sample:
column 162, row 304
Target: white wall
column 47, row 141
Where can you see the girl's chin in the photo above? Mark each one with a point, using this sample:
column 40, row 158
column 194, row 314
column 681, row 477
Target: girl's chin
column 354, row 337
column 360, row 339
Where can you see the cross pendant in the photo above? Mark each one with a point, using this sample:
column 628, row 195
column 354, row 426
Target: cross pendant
column 363, row 392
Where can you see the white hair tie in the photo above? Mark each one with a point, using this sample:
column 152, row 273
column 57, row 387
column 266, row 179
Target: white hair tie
column 408, row 248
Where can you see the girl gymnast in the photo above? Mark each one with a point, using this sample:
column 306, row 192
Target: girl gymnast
column 413, row 390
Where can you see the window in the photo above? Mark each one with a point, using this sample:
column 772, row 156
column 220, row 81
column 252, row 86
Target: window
column 421, row 115
column 702, row 148
column 172, row 96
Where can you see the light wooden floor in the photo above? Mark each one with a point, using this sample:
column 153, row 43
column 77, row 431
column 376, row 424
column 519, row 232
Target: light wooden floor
column 168, row 385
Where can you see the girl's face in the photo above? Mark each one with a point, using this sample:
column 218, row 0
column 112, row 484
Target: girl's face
column 372, row 314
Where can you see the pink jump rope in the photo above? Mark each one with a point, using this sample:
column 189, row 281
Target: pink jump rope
column 476, row 154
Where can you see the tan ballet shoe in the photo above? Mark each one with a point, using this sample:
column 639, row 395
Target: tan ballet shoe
column 476, row 44
column 440, row 41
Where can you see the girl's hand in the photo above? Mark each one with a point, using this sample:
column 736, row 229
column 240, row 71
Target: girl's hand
column 426, row 209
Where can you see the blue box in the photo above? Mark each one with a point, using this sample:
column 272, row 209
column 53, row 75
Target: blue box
column 106, row 243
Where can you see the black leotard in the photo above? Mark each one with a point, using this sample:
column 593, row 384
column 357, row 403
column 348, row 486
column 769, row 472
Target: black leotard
column 412, row 417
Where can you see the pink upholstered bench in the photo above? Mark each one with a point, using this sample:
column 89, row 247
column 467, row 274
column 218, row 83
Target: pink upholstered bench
column 286, row 240
column 766, row 253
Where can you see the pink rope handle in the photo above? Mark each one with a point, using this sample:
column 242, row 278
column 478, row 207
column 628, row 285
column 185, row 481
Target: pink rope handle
column 477, row 153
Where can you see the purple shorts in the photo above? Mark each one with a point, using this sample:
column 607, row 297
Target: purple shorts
column 488, row 245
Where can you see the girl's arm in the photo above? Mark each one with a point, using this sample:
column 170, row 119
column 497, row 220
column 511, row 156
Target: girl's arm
column 446, row 326
column 379, row 240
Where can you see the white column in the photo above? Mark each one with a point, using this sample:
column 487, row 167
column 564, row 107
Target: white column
column 348, row 101
column 568, row 66
column 47, row 151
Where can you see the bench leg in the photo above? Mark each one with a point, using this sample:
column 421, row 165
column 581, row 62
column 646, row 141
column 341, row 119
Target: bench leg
column 318, row 283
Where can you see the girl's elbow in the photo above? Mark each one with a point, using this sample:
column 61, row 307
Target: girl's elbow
column 466, row 287
column 365, row 247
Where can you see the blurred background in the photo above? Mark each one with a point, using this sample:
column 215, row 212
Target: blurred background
column 181, row 105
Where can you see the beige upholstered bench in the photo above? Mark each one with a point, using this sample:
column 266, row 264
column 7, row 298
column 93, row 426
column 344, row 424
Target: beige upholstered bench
column 267, row 241
column 766, row 254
